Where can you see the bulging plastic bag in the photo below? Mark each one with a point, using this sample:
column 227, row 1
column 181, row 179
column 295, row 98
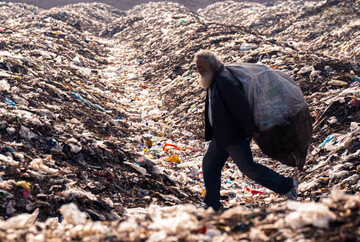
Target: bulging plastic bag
column 280, row 112
column 273, row 96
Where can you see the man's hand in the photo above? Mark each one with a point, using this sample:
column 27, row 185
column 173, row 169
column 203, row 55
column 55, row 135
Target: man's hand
column 255, row 135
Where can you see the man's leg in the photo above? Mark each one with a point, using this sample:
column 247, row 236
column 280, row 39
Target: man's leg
column 242, row 156
column 213, row 162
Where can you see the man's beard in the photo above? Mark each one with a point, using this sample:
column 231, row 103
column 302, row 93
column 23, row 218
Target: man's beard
column 205, row 79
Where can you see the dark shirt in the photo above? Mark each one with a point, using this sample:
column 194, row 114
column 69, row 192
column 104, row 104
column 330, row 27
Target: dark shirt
column 232, row 117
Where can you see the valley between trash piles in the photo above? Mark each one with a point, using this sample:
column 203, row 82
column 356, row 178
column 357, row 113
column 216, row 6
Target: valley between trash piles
column 102, row 122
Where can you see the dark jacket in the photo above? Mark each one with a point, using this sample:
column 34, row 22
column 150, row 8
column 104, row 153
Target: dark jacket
column 231, row 113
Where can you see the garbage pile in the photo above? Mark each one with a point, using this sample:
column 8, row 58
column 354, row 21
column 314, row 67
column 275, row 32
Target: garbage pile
column 102, row 133
column 63, row 134
column 85, row 17
column 16, row 10
column 305, row 25
column 335, row 218
column 266, row 18
column 328, row 83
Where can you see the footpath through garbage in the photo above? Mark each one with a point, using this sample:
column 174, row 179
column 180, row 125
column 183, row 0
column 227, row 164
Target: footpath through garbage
column 102, row 121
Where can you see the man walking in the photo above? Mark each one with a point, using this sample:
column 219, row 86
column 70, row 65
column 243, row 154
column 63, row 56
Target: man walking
column 229, row 124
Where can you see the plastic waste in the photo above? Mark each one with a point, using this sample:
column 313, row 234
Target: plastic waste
column 327, row 140
column 11, row 102
column 19, row 221
column 78, row 97
column 7, row 185
column 25, row 185
column 355, row 103
column 11, row 130
column 174, row 158
column 278, row 105
column 286, row 143
column 138, row 168
column 338, row 83
column 273, row 96
column 311, row 213
column 4, row 85
column 170, row 145
column 38, row 164
column 72, row 214
column 254, row 192
column 27, row 133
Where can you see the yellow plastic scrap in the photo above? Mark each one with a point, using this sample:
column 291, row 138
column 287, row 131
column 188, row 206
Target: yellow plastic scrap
column 324, row 179
column 223, row 227
column 203, row 192
column 24, row 184
column 337, row 83
column 174, row 158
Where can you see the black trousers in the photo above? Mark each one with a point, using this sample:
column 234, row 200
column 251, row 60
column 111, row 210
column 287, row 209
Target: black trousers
column 240, row 152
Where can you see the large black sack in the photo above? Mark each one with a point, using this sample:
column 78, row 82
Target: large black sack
column 288, row 143
column 280, row 112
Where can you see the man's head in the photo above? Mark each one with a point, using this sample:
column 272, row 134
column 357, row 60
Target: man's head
column 207, row 63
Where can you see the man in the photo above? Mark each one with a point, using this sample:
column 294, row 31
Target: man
column 229, row 124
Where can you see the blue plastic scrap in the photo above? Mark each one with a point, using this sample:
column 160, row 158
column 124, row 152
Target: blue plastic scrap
column 327, row 140
column 11, row 102
column 10, row 149
column 80, row 98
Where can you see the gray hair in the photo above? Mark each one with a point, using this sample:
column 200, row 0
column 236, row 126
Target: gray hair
column 210, row 59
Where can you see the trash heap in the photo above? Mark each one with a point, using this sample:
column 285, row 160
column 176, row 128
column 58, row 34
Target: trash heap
column 335, row 218
column 85, row 17
column 266, row 18
column 63, row 134
column 304, row 25
column 16, row 10
column 101, row 130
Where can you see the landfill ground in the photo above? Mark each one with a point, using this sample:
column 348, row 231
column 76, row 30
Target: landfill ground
column 101, row 129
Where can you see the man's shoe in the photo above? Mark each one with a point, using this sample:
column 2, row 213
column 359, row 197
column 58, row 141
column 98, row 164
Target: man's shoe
column 221, row 209
column 205, row 207
column 293, row 193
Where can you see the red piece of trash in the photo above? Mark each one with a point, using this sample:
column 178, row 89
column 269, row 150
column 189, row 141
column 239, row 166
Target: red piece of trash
column 355, row 103
column 178, row 148
column 202, row 230
column 144, row 87
column 166, row 145
column 254, row 192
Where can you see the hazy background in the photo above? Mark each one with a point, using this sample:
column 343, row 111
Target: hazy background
column 124, row 4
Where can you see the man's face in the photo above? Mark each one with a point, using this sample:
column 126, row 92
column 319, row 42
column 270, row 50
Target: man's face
column 206, row 75
column 201, row 67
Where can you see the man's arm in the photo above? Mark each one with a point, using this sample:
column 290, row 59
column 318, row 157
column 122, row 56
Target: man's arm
column 233, row 95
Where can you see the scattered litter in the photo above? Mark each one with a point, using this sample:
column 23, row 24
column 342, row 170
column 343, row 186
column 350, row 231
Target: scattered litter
column 105, row 115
